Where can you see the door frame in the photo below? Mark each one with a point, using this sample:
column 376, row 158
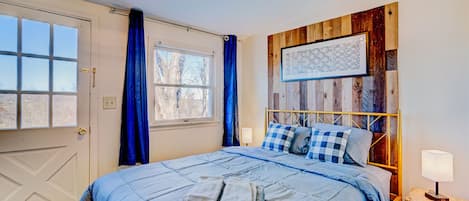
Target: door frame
column 94, row 60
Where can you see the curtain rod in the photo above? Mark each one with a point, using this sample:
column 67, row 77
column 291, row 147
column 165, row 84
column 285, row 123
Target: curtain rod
column 188, row 28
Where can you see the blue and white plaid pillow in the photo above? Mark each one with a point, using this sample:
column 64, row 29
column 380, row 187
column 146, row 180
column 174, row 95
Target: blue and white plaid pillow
column 328, row 145
column 279, row 137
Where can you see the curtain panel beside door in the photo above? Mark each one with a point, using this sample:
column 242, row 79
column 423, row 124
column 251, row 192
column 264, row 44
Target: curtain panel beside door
column 134, row 146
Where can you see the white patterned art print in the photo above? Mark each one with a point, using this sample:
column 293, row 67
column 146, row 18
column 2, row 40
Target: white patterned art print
column 342, row 57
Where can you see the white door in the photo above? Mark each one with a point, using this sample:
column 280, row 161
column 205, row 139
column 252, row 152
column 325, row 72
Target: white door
column 44, row 100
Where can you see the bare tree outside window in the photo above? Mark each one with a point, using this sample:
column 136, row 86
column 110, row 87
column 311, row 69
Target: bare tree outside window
column 182, row 85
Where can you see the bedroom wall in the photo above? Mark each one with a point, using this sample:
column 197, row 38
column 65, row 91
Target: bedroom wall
column 433, row 80
column 109, row 40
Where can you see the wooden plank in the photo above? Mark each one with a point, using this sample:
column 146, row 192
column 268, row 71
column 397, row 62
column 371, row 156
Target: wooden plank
column 391, row 24
column 347, row 99
column 311, row 95
column 332, row 28
column 270, row 70
column 319, row 88
column 391, row 60
column 328, row 99
column 357, row 84
column 276, row 39
column 377, row 56
column 292, row 92
column 361, row 22
column 392, row 92
column 392, row 106
column 276, row 106
column 346, row 25
column 337, row 97
column 282, row 86
column 303, row 84
column 314, row 32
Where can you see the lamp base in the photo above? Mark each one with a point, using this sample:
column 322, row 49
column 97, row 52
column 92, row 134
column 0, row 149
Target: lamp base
column 437, row 197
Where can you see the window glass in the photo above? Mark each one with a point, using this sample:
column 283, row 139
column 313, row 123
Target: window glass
column 8, row 33
column 176, row 67
column 182, row 85
column 64, row 110
column 8, row 111
column 35, row 74
column 8, row 72
column 36, row 36
column 65, row 76
column 65, row 41
column 34, row 111
column 181, row 103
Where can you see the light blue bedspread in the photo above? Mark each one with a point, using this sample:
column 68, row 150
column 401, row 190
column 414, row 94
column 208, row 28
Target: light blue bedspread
column 283, row 176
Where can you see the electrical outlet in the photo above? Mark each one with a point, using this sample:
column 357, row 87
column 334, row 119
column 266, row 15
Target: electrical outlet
column 109, row 102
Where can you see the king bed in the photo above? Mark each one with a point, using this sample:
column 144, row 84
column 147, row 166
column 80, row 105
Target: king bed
column 281, row 175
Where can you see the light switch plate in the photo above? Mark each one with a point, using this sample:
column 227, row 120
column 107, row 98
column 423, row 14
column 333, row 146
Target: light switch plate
column 109, row 102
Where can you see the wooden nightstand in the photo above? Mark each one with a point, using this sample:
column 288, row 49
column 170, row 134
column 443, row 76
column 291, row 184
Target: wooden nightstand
column 418, row 194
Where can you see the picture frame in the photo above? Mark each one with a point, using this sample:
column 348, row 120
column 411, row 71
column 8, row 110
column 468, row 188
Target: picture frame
column 340, row 57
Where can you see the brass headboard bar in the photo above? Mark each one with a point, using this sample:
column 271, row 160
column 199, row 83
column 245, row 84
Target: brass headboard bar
column 337, row 113
column 388, row 164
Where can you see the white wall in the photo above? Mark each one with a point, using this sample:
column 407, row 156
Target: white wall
column 252, row 86
column 109, row 41
column 434, row 81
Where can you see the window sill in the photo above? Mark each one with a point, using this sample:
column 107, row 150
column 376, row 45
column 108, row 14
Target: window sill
column 183, row 125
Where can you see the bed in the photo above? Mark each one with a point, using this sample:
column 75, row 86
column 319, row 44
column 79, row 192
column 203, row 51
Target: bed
column 283, row 176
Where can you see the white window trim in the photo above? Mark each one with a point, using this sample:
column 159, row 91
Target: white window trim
column 216, row 71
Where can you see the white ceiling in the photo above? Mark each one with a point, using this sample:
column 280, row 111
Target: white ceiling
column 245, row 17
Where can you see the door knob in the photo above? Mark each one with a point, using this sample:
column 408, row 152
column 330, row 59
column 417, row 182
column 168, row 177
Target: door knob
column 82, row 131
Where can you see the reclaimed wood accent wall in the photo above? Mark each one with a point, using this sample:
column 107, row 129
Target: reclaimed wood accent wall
column 376, row 92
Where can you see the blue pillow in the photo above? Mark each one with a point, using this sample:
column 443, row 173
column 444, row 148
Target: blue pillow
column 328, row 146
column 279, row 137
column 358, row 145
column 300, row 142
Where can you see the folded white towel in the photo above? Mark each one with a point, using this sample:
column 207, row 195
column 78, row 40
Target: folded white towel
column 237, row 189
column 207, row 189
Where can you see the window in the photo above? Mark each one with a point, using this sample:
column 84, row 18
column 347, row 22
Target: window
column 182, row 85
column 38, row 79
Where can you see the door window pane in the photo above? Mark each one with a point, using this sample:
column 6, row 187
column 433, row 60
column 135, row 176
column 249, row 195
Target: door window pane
column 8, row 70
column 64, row 110
column 34, row 111
column 7, row 111
column 35, row 76
column 65, row 41
column 8, row 33
column 65, row 76
column 181, row 103
column 36, row 36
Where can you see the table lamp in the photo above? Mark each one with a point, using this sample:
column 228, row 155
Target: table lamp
column 247, row 135
column 438, row 167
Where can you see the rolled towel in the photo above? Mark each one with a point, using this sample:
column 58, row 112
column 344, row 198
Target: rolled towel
column 237, row 189
column 207, row 189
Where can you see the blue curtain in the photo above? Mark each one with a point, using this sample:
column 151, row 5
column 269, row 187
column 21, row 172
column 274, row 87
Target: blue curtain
column 134, row 126
column 230, row 121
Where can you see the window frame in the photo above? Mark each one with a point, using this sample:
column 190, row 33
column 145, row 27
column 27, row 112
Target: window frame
column 212, row 85
column 50, row 57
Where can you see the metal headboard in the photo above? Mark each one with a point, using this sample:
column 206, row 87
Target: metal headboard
column 386, row 146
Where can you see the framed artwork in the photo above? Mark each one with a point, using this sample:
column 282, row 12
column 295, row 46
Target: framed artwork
column 339, row 57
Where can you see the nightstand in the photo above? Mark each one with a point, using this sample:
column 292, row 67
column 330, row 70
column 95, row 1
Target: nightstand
column 418, row 194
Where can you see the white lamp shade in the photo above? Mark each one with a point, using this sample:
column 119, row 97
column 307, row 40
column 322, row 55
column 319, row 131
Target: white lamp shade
column 247, row 135
column 437, row 165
